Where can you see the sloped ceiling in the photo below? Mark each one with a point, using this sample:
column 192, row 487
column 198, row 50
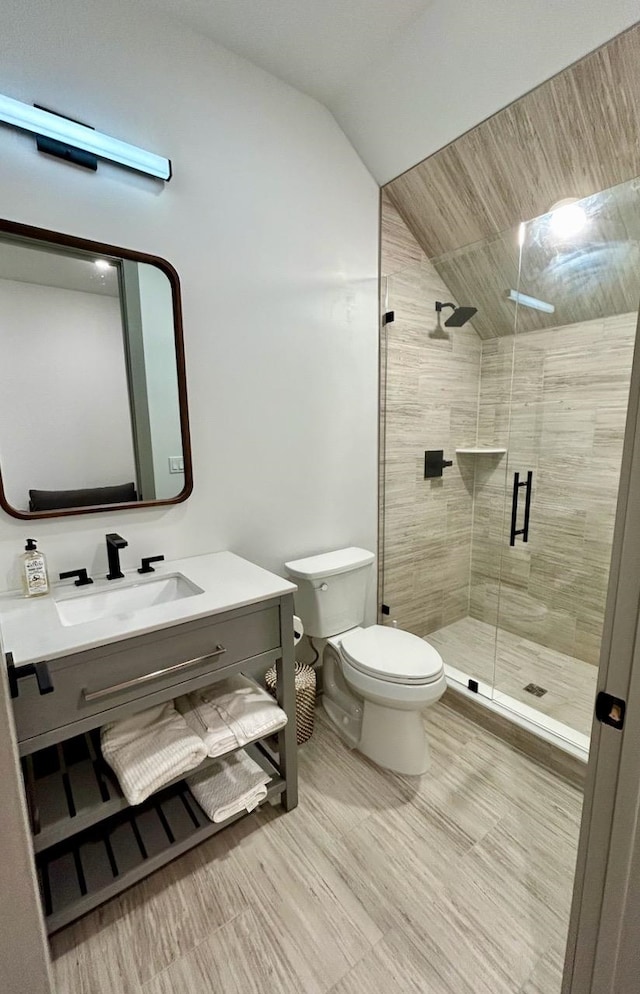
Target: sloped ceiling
column 576, row 135
column 317, row 46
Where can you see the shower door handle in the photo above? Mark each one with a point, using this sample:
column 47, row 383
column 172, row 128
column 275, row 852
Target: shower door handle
column 528, row 484
column 527, row 506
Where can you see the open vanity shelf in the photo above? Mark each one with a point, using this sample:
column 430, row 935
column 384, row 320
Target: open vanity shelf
column 119, row 844
column 89, row 844
column 70, row 787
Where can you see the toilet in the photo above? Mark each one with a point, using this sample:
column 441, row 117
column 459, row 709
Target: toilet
column 377, row 680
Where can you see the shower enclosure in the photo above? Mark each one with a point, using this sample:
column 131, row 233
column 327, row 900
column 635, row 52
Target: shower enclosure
column 501, row 560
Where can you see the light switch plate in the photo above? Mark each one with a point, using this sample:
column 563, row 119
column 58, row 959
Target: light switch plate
column 176, row 464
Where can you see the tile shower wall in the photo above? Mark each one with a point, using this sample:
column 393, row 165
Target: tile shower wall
column 570, row 392
column 429, row 401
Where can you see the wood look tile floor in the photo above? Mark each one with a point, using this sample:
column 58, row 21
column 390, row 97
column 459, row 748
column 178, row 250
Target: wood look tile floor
column 457, row 882
column 510, row 663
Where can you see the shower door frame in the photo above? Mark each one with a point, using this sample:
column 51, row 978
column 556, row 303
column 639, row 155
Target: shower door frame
column 603, row 956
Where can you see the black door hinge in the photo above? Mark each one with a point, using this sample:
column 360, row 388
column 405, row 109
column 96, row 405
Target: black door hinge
column 385, row 609
column 388, row 318
column 610, row 710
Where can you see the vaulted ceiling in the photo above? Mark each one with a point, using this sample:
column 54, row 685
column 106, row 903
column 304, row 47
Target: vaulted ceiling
column 576, row 135
column 318, row 46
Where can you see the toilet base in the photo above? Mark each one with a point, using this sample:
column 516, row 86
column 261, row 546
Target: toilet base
column 395, row 739
column 347, row 727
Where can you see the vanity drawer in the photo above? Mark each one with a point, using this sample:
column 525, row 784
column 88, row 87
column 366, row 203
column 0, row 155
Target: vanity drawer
column 96, row 682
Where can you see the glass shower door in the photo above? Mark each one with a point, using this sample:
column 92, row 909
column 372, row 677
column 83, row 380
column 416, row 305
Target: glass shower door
column 441, row 534
column 428, row 392
column 575, row 317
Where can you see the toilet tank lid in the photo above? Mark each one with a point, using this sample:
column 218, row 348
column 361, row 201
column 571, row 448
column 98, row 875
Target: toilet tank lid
column 329, row 563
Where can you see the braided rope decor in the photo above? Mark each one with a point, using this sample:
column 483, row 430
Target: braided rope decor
column 305, row 698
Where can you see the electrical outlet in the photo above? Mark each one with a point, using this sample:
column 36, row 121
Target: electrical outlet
column 176, row 464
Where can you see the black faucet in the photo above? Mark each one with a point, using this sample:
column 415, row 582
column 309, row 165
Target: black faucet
column 115, row 542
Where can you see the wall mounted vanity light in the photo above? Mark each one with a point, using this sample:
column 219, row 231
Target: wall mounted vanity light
column 62, row 134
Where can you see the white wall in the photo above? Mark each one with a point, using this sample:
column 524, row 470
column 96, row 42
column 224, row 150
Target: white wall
column 62, row 376
column 271, row 220
column 459, row 63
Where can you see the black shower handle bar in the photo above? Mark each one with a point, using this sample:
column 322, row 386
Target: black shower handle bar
column 527, row 506
column 528, row 484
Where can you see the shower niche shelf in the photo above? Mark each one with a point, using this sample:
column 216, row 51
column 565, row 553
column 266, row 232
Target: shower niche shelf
column 481, row 451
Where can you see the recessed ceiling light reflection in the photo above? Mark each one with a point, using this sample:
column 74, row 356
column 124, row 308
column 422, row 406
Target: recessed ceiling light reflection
column 568, row 219
column 102, row 264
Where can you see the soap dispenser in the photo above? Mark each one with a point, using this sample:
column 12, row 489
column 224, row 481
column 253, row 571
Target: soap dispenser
column 35, row 580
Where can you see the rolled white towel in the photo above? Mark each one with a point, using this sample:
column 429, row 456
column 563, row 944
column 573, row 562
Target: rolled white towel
column 231, row 713
column 149, row 749
column 229, row 786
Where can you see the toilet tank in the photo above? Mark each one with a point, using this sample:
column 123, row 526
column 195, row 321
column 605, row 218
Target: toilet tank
column 332, row 590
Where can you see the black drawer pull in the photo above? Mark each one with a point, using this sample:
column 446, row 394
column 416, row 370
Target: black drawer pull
column 39, row 670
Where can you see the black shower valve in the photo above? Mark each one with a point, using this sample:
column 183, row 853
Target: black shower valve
column 434, row 463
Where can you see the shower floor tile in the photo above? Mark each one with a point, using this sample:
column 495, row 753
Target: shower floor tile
column 512, row 663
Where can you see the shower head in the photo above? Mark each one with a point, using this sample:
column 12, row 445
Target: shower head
column 460, row 315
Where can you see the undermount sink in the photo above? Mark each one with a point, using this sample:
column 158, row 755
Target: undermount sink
column 125, row 599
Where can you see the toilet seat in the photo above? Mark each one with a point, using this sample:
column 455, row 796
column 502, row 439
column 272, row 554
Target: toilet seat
column 392, row 655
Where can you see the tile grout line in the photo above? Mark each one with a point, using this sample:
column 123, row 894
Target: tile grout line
column 193, row 949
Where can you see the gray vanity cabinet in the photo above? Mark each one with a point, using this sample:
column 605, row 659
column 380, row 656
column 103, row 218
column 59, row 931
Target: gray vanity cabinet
column 113, row 680
column 89, row 844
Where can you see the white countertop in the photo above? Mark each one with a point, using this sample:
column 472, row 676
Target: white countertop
column 32, row 629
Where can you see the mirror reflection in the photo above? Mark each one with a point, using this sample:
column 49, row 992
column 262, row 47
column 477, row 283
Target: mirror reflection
column 89, row 381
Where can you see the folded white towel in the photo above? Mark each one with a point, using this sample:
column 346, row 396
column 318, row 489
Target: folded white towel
column 231, row 713
column 214, row 733
column 229, row 786
column 149, row 749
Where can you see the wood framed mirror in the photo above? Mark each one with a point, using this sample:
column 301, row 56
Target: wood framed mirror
column 93, row 395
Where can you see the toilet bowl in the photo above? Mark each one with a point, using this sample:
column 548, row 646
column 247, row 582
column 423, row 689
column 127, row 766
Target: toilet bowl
column 377, row 680
column 385, row 677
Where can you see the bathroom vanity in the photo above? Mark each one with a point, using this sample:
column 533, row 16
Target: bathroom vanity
column 80, row 658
